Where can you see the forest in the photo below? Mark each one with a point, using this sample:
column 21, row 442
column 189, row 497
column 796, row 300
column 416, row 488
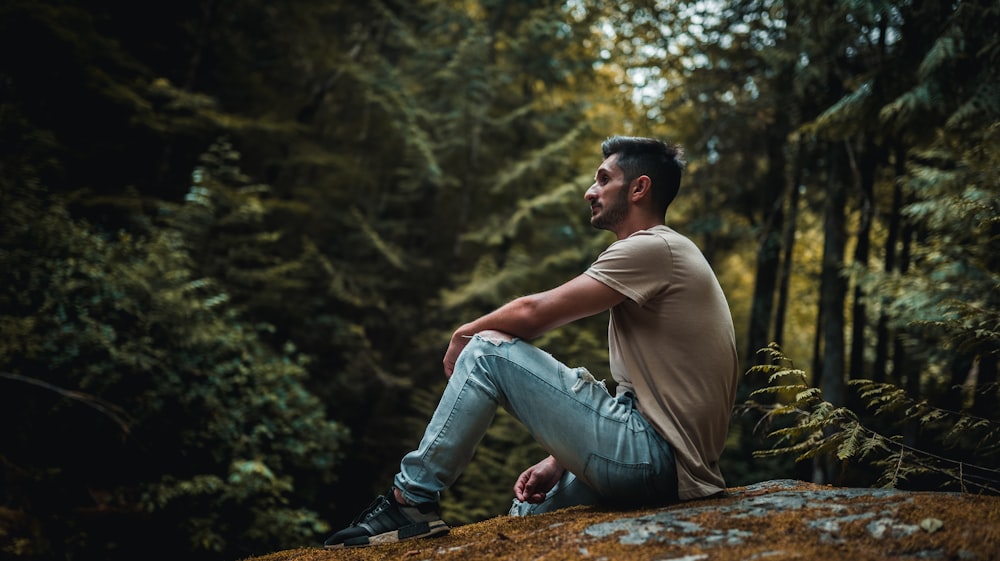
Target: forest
column 236, row 236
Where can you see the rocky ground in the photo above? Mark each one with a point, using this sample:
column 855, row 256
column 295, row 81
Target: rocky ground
column 769, row 521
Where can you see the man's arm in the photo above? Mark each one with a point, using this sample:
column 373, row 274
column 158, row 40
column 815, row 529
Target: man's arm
column 529, row 316
column 536, row 481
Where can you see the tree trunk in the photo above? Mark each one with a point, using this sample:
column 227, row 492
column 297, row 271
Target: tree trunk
column 904, row 373
column 835, row 285
column 833, row 295
column 768, row 250
column 788, row 247
column 900, row 374
column 883, row 335
column 864, row 177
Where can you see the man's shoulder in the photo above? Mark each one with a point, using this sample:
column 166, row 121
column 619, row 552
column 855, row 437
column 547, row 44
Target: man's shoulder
column 643, row 241
column 666, row 233
column 656, row 237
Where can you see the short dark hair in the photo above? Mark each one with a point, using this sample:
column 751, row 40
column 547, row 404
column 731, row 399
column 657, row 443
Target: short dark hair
column 663, row 163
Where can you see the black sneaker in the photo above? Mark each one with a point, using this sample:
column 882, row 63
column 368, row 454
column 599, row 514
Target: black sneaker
column 387, row 521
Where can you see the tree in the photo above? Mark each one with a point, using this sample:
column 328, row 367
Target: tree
column 936, row 294
column 139, row 406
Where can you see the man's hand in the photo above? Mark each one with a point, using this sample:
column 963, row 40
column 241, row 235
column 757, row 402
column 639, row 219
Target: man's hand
column 458, row 342
column 539, row 479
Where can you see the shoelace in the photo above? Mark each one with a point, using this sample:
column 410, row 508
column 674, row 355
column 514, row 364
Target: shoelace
column 371, row 510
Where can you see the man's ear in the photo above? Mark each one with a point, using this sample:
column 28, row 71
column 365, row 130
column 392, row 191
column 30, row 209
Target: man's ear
column 641, row 186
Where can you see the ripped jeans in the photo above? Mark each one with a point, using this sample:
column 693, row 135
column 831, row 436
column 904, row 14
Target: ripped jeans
column 611, row 453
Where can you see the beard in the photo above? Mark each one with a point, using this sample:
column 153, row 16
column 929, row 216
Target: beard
column 613, row 213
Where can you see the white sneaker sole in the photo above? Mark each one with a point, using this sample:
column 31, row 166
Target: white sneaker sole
column 413, row 532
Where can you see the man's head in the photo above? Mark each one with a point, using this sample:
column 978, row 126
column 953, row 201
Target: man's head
column 661, row 162
column 634, row 185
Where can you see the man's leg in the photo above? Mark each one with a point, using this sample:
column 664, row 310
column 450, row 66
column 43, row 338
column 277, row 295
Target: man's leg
column 602, row 439
column 599, row 438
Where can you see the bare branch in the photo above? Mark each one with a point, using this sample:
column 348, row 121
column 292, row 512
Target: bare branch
column 112, row 411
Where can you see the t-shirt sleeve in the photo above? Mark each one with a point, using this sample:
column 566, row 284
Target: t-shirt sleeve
column 638, row 267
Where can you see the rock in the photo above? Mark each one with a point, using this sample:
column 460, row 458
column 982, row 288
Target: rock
column 769, row 521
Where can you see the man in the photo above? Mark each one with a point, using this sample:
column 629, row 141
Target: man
column 672, row 353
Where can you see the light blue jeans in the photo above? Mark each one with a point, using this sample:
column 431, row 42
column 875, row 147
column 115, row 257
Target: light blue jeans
column 611, row 453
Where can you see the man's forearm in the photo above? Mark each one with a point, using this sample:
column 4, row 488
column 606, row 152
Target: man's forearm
column 516, row 318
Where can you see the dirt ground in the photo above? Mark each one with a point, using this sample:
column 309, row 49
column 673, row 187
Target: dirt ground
column 751, row 523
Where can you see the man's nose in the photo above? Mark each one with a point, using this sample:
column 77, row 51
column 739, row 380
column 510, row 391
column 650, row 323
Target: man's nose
column 591, row 192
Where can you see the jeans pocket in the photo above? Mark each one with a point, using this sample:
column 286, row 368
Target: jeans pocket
column 618, row 482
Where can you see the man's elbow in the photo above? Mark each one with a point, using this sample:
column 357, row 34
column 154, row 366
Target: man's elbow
column 528, row 315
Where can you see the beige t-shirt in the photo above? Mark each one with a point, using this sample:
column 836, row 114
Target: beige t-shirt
column 672, row 345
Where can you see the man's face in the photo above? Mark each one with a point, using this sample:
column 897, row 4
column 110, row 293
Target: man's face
column 608, row 196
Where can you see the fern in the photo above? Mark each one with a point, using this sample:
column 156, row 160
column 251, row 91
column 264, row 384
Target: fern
column 819, row 429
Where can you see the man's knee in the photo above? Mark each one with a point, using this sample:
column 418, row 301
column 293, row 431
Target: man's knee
column 482, row 343
column 495, row 337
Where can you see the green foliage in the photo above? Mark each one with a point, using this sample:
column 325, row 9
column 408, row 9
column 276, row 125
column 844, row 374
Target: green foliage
column 957, row 207
column 391, row 169
column 809, row 436
column 957, row 450
column 384, row 142
column 196, row 436
column 957, row 76
column 947, row 303
column 509, row 126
